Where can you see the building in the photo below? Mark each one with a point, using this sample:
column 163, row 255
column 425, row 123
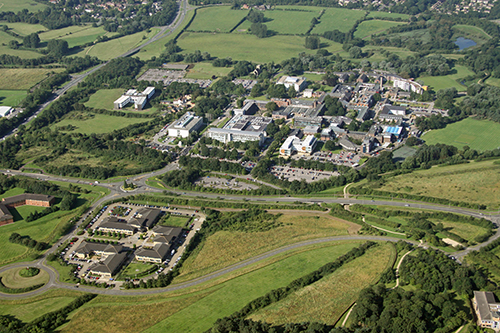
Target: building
column 311, row 130
column 367, row 145
column 5, row 216
column 110, row 266
column 347, row 145
column 487, row 310
column 392, row 113
column 307, row 121
column 241, row 128
column 145, row 218
column 87, row 249
column 282, row 113
column 40, row 200
column 5, row 111
column 250, row 108
column 185, row 125
column 157, row 254
column 132, row 95
column 308, row 93
column 112, row 224
column 167, row 235
column 294, row 144
column 409, row 85
column 298, row 83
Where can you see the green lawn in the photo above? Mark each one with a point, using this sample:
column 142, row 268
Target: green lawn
column 448, row 81
column 378, row 56
column 28, row 312
column 64, row 271
column 493, row 82
column 104, row 99
column 75, row 35
column 246, row 46
column 12, row 97
column 176, row 221
column 217, row 19
column 12, row 279
column 17, row 5
column 23, row 78
column 471, row 132
column 338, row 18
column 205, row 70
column 368, row 28
column 24, row 29
column 97, row 123
column 135, row 268
column 389, row 15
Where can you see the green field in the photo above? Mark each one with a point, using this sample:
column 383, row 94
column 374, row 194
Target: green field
column 244, row 47
column 205, row 70
column 338, row 18
column 493, row 81
column 4, row 48
column 176, row 221
column 75, row 35
column 475, row 182
column 468, row 31
column 217, row 19
column 466, row 231
column 104, row 99
column 23, row 78
column 24, row 29
column 136, row 268
column 368, row 28
column 448, row 81
column 378, row 56
column 12, row 97
column 96, row 123
column 389, row 15
column 17, row 5
column 471, row 132
column 12, row 279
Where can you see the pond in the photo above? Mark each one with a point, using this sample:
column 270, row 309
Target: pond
column 464, row 43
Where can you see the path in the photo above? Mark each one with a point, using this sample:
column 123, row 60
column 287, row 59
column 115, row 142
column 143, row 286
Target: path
column 346, row 193
column 379, row 228
column 348, row 314
column 397, row 268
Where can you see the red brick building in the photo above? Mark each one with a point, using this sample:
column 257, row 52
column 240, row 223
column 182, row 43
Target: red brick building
column 40, row 200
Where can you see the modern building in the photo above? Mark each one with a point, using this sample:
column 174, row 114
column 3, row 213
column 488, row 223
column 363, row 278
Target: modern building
column 138, row 98
column 293, row 144
column 5, row 111
column 40, row 200
column 307, row 121
column 185, row 125
column 392, row 113
column 167, row 235
column 110, row 266
column 248, row 109
column 87, row 249
column 157, row 254
column 409, row 85
column 241, row 128
column 347, row 145
column 112, row 224
column 298, row 83
column 487, row 310
column 145, row 218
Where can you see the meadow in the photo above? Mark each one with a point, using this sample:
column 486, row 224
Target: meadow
column 447, row 81
column 205, row 70
column 368, row 28
column 226, row 19
column 466, row 231
column 17, row 5
column 468, row 31
column 475, row 182
column 104, row 99
column 388, row 15
column 24, row 29
column 96, row 123
column 477, row 134
column 12, row 97
column 338, row 18
column 75, row 35
column 326, row 300
column 24, row 78
column 5, row 49
column 240, row 245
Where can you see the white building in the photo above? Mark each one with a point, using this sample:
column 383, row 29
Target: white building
column 293, row 144
column 241, row 128
column 408, row 85
column 5, row 110
column 185, row 125
column 298, row 83
column 132, row 95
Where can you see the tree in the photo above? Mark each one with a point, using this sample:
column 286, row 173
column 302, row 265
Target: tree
column 271, row 106
column 355, row 52
column 57, row 47
column 312, row 42
column 31, row 41
column 13, row 44
column 259, row 30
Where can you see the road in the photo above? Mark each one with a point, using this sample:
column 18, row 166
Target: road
column 75, row 79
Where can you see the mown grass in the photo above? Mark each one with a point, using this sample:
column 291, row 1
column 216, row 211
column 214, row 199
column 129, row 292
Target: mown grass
column 477, row 134
column 17, row 5
column 75, row 35
column 338, row 18
column 239, row 246
column 176, row 221
column 12, row 97
column 23, row 78
column 105, row 98
column 327, row 299
column 389, row 15
column 136, row 268
column 217, row 19
column 246, row 46
column 448, row 81
column 205, row 71
column 476, row 182
column 368, row 28
column 12, row 279
column 99, row 123
column 24, row 29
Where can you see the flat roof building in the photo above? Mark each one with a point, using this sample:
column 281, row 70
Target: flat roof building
column 5, row 110
column 487, row 310
column 241, row 128
column 185, row 125
column 298, row 83
column 132, row 95
column 294, row 144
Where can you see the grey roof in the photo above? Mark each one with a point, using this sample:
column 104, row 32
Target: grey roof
column 146, row 219
column 27, row 196
column 110, row 265
column 159, row 251
column 483, row 301
column 117, row 226
column 5, row 213
column 169, row 233
column 88, row 247
column 347, row 144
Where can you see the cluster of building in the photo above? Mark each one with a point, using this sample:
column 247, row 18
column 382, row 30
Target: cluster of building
column 98, row 9
column 133, row 96
column 39, row 200
column 487, row 310
column 241, row 128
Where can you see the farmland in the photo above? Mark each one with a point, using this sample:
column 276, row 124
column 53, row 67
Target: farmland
column 468, row 132
column 475, row 182
column 12, row 97
column 226, row 20
column 75, row 35
column 5, row 49
column 443, row 82
column 388, row 15
column 23, row 78
column 17, row 5
column 24, row 29
column 95, row 123
column 338, row 18
column 368, row 28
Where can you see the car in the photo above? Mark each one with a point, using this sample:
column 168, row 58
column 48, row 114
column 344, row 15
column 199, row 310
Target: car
column 406, row 205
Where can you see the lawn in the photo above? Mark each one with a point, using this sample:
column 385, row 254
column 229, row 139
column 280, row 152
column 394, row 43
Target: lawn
column 136, row 268
column 12, row 97
column 493, row 81
column 389, row 15
column 75, row 35
column 24, row 29
column 326, row 300
column 402, row 153
column 97, row 123
column 378, row 56
column 246, row 46
column 205, row 71
column 338, row 18
column 104, row 99
column 448, row 81
column 23, row 78
column 176, row 221
column 368, row 28
column 17, row 5
column 65, row 272
column 217, row 19
column 239, row 246
column 477, row 134
column 12, row 279
column 476, row 182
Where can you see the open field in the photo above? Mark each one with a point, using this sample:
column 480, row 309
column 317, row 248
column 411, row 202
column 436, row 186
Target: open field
column 468, row 31
column 466, row 231
column 238, row 246
column 493, row 81
column 477, row 134
column 389, row 15
column 12, row 279
column 17, row 5
column 217, row 19
column 5, row 49
column 104, row 99
column 97, row 123
column 338, row 18
column 205, row 71
column 245, row 46
column 24, row 29
column 75, row 35
column 23, row 78
column 118, row 46
column 135, row 268
column 325, row 300
column 368, row 28
column 378, row 56
column 448, row 81
column 176, row 221
column 12, row 97
column 475, row 182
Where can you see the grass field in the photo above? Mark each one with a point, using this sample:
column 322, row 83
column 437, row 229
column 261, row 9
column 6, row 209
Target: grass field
column 4, row 48
column 471, row 132
column 99, row 123
column 368, row 28
column 12, row 97
column 402, row 153
column 327, row 299
column 466, row 231
column 12, row 279
column 389, row 15
column 205, row 70
column 493, row 82
column 476, row 182
column 176, row 221
column 338, row 18
column 17, row 5
column 217, row 19
column 23, row 78
column 468, row 31
column 135, row 268
column 245, row 46
column 104, row 99
column 378, row 56
column 24, row 29
column 75, row 35
column 240, row 245
column 448, row 81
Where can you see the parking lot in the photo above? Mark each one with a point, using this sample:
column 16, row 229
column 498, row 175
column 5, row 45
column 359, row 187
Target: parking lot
column 343, row 158
column 309, row 176
column 158, row 75
column 222, row 183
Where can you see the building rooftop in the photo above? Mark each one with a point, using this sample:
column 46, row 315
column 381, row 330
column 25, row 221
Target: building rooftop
column 111, row 224
column 88, row 247
column 110, row 265
column 248, row 123
column 146, row 218
column 159, row 251
column 27, row 196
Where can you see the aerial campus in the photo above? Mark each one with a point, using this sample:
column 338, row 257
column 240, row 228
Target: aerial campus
column 250, row 166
